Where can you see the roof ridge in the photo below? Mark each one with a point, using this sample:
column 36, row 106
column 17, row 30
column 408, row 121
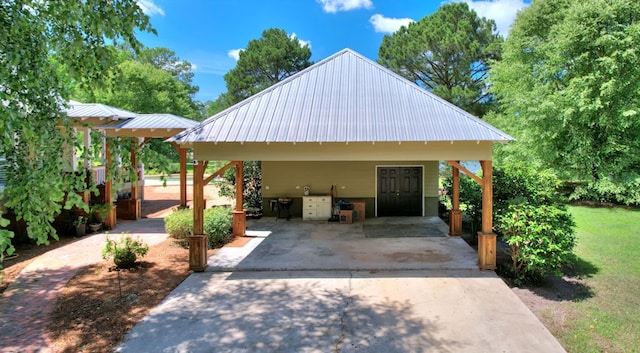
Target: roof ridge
column 439, row 99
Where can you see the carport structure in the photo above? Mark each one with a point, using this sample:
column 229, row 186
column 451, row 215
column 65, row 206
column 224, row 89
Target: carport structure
column 347, row 121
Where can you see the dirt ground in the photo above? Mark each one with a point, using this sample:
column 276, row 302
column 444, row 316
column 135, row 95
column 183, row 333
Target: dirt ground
column 99, row 305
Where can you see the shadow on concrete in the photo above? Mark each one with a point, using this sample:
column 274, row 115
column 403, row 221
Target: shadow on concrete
column 249, row 314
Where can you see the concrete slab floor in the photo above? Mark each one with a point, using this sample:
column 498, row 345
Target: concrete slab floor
column 341, row 311
column 324, row 287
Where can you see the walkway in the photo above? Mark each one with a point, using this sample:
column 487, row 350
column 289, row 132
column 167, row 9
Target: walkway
column 30, row 299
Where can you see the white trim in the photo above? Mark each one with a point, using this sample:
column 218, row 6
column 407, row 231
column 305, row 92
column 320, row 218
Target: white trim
column 421, row 166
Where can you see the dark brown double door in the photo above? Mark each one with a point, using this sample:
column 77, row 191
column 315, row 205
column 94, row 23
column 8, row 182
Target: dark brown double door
column 399, row 191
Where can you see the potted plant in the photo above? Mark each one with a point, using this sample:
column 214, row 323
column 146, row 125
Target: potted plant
column 81, row 226
column 125, row 251
column 99, row 214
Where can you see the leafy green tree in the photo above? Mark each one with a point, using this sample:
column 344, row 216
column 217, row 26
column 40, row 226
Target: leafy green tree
column 265, row 61
column 154, row 80
column 214, row 107
column 38, row 37
column 151, row 81
column 568, row 87
column 166, row 59
column 447, row 53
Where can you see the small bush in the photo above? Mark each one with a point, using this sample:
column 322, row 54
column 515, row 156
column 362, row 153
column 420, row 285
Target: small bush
column 217, row 223
column 179, row 224
column 125, row 251
column 541, row 239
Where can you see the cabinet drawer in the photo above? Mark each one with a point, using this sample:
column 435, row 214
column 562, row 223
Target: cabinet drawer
column 309, row 214
column 310, row 206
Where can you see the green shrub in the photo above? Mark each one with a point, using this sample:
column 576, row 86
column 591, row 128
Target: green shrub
column 512, row 184
column 622, row 192
column 217, row 225
column 124, row 251
column 179, row 224
column 541, row 239
column 252, row 188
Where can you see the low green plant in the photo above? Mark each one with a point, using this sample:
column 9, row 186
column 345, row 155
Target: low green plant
column 99, row 212
column 125, row 251
column 541, row 239
column 217, row 222
column 217, row 225
column 179, row 225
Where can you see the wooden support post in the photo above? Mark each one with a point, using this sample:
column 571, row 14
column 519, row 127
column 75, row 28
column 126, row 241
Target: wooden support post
column 239, row 216
column 134, row 208
column 108, row 190
column 86, row 195
column 198, row 241
column 183, row 176
column 455, row 215
column 487, row 238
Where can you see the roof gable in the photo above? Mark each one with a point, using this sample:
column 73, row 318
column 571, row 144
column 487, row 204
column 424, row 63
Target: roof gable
column 344, row 98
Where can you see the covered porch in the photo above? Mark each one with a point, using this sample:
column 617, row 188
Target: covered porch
column 113, row 122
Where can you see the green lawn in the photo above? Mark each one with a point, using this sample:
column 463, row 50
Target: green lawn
column 609, row 250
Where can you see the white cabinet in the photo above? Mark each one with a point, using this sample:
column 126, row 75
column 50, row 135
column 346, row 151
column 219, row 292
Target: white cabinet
column 316, row 208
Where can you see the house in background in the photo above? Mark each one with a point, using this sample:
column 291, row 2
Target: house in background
column 349, row 122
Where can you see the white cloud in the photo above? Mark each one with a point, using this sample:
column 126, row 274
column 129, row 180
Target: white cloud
column 302, row 41
column 234, row 54
column 388, row 25
column 150, row 8
column 333, row 6
column 502, row 11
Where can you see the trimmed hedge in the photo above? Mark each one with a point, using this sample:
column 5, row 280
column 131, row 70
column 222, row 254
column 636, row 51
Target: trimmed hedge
column 217, row 225
column 179, row 225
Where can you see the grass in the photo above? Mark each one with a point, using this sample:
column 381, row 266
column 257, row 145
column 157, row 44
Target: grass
column 609, row 321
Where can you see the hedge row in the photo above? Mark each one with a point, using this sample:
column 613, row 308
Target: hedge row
column 217, row 225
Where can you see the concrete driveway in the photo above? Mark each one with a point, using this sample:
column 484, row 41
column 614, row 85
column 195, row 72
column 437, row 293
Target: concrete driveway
column 318, row 287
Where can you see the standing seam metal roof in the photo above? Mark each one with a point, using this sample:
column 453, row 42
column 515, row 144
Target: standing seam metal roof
column 155, row 121
column 96, row 110
column 344, row 98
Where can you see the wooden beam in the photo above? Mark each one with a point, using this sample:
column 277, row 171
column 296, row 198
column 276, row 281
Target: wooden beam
column 466, row 171
column 134, row 165
column 487, row 238
column 198, row 243
column 183, row 176
column 108, row 190
column 455, row 215
column 182, row 152
column 219, row 172
column 487, row 196
column 239, row 216
column 198, row 198
column 239, row 186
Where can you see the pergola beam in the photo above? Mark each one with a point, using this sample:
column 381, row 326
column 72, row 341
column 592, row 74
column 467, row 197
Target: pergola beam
column 471, row 175
column 486, row 237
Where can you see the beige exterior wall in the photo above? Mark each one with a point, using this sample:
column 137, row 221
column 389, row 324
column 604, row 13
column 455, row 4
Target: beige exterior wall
column 361, row 151
column 354, row 180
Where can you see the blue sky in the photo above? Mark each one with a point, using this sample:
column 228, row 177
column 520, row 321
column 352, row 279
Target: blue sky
column 208, row 33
